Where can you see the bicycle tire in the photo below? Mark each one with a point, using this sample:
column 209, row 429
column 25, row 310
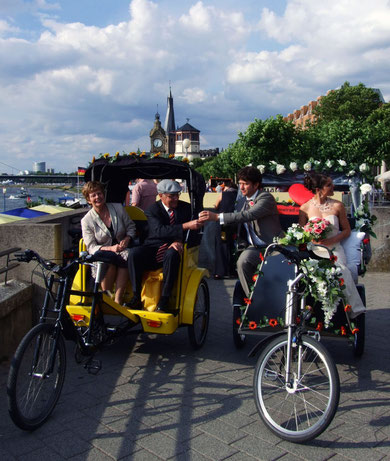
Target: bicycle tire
column 197, row 332
column 304, row 412
column 32, row 395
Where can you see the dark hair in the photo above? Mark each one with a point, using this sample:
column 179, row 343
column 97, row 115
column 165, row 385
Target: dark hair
column 91, row 186
column 230, row 183
column 315, row 181
column 251, row 174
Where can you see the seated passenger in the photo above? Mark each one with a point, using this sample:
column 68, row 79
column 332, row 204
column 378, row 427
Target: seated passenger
column 143, row 194
column 168, row 219
column 107, row 228
column 321, row 206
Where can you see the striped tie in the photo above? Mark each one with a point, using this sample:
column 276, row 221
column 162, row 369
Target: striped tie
column 163, row 248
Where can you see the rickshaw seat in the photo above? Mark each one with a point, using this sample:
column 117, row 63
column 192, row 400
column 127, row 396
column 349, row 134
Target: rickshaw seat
column 140, row 220
column 269, row 296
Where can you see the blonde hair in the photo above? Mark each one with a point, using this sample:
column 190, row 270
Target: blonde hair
column 91, row 186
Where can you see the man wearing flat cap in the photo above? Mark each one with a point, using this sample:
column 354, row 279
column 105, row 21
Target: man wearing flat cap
column 168, row 220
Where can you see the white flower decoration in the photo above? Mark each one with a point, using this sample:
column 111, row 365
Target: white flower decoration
column 261, row 168
column 351, row 173
column 329, row 163
column 342, row 162
column 307, row 166
column 365, row 189
column 363, row 167
column 293, row 166
column 280, row 169
column 273, row 162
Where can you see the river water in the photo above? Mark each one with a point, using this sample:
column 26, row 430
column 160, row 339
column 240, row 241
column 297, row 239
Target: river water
column 37, row 194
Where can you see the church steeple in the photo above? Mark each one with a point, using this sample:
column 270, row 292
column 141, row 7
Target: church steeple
column 170, row 125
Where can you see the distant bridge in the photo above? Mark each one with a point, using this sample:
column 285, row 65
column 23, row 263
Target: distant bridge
column 42, row 178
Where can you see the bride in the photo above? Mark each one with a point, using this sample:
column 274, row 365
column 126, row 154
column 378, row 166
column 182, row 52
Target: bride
column 321, row 206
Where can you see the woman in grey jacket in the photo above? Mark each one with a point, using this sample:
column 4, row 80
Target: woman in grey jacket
column 107, row 227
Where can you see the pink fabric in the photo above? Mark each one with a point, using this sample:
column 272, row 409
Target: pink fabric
column 144, row 194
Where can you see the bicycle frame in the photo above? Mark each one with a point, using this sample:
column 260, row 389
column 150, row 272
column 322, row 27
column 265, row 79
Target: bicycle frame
column 290, row 322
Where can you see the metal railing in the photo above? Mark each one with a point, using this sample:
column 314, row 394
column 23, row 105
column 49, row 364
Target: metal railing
column 8, row 266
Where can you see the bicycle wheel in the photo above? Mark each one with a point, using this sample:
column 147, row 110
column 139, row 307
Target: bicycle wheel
column 198, row 330
column 303, row 410
column 32, row 391
column 238, row 338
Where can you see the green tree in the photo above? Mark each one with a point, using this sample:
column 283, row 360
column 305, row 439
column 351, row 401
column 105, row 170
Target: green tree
column 348, row 102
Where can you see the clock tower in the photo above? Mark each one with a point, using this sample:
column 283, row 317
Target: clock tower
column 158, row 139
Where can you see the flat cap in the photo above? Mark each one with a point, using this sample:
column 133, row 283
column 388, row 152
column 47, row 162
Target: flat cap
column 167, row 186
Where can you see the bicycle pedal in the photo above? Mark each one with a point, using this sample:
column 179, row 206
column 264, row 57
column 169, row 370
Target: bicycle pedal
column 93, row 366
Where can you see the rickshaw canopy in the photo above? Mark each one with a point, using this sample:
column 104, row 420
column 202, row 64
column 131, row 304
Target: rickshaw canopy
column 116, row 172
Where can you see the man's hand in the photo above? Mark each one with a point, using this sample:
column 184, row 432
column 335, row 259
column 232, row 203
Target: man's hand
column 178, row 246
column 193, row 225
column 208, row 216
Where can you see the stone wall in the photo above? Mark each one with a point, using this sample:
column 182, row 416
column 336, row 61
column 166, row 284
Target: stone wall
column 48, row 236
column 380, row 261
column 15, row 315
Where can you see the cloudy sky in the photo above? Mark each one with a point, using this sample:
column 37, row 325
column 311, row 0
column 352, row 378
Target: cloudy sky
column 78, row 78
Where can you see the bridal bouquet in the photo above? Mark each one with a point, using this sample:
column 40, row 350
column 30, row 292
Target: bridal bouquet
column 317, row 228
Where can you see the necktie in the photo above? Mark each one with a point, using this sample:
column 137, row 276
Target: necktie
column 249, row 226
column 163, row 248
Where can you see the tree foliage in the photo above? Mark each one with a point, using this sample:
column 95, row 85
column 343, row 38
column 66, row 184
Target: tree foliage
column 352, row 126
column 348, row 102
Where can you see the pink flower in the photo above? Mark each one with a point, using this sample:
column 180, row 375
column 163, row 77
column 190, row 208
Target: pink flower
column 251, row 203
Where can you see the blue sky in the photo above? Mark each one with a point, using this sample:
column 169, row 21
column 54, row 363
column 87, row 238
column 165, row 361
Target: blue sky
column 82, row 77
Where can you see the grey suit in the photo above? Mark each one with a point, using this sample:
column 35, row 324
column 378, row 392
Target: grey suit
column 264, row 217
column 95, row 232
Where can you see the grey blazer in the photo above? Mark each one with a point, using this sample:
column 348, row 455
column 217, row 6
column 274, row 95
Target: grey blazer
column 264, row 215
column 96, row 233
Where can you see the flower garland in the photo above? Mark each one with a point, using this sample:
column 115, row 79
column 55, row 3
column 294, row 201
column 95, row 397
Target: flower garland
column 339, row 166
column 117, row 156
column 364, row 219
column 325, row 283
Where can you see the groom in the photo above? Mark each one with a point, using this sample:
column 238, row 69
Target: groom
column 258, row 222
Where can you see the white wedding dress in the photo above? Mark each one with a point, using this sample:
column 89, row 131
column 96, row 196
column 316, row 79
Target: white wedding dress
column 351, row 293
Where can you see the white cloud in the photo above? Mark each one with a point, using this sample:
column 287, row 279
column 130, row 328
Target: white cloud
column 78, row 89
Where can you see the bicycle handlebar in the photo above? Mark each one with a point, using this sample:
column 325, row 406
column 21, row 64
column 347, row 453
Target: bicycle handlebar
column 84, row 258
column 297, row 256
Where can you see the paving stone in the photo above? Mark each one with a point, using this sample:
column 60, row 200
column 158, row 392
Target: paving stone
column 258, row 448
column 67, row 444
column 357, row 451
column 162, row 445
column 241, row 457
column 43, row 453
column 115, row 445
column 190, row 455
column 156, row 392
column 20, row 445
column 5, row 455
column 222, row 431
column 93, row 454
column 142, row 455
column 211, row 447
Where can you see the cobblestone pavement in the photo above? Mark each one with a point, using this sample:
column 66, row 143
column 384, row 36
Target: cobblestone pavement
column 157, row 399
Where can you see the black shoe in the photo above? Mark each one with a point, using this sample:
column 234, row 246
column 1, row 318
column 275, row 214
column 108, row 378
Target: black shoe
column 135, row 303
column 162, row 304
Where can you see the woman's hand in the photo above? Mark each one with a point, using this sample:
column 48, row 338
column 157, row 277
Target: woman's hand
column 124, row 243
